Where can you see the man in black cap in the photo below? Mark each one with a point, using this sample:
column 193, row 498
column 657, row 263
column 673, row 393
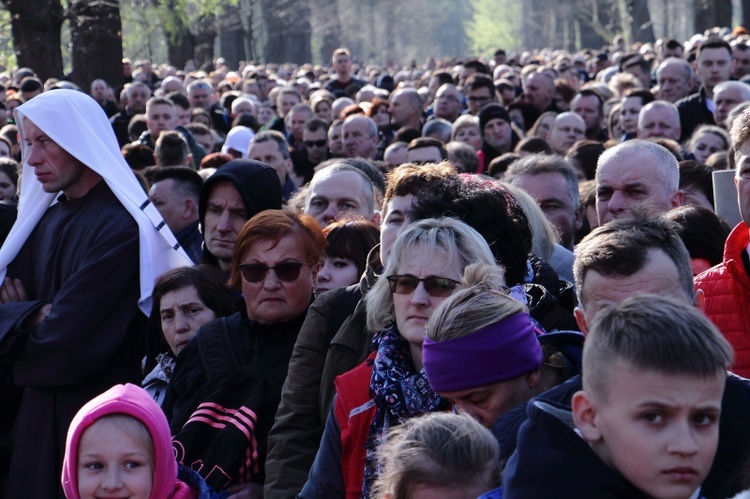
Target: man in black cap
column 497, row 136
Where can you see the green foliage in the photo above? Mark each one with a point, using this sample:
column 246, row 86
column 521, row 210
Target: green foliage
column 7, row 55
column 494, row 24
column 142, row 33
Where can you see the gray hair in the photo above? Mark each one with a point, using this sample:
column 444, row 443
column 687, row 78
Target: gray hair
column 537, row 164
column 663, row 159
column 372, row 127
column 447, row 236
column 342, row 165
column 743, row 88
column 659, row 104
column 440, row 127
column 689, row 73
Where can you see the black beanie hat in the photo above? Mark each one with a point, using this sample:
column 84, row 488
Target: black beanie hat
column 490, row 112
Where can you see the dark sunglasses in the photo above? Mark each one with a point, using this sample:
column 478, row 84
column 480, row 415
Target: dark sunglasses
column 286, row 272
column 315, row 143
column 438, row 287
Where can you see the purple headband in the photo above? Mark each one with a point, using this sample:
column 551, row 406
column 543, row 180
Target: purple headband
column 498, row 352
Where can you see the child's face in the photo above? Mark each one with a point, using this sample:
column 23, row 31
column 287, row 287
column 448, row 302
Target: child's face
column 659, row 431
column 111, row 463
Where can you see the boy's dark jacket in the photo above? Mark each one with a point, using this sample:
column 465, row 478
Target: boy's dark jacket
column 543, row 436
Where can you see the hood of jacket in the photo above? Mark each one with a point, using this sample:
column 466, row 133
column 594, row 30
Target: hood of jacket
column 258, row 186
column 132, row 401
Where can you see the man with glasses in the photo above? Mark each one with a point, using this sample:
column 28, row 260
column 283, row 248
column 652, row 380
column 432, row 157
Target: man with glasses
column 479, row 91
column 315, row 140
column 448, row 103
column 726, row 287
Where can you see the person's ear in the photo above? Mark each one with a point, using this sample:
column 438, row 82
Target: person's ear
column 699, row 300
column 580, row 316
column 678, row 199
column 579, row 217
column 190, row 160
column 584, row 416
column 534, row 378
column 189, row 209
column 376, row 218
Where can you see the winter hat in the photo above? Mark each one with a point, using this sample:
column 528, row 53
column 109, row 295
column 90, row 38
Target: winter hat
column 491, row 112
column 129, row 400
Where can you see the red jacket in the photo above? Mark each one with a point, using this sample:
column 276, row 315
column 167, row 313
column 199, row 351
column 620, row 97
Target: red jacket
column 726, row 288
column 354, row 410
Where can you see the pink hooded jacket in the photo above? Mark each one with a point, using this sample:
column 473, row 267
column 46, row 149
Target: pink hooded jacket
column 133, row 401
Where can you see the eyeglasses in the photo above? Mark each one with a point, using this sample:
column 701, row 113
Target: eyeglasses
column 479, row 98
column 438, row 287
column 286, row 272
column 315, row 143
column 449, row 98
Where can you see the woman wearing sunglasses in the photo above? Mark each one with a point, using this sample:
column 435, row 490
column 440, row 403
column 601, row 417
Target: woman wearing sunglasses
column 424, row 268
column 227, row 383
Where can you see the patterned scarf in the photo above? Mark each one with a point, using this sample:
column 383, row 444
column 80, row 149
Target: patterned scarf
column 399, row 394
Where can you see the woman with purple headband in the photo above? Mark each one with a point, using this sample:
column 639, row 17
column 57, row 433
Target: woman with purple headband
column 494, row 340
column 488, row 357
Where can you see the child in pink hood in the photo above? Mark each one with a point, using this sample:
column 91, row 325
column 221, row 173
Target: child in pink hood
column 119, row 444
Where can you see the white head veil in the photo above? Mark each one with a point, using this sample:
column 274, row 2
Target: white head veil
column 77, row 123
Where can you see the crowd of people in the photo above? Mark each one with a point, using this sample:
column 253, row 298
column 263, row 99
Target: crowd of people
column 474, row 278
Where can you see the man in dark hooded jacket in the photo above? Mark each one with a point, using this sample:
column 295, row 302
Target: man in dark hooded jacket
column 230, row 197
column 497, row 135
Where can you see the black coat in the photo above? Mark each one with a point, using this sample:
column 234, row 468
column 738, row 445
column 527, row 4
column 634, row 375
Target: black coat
column 693, row 113
column 728, row 473
column 83, row 258
column 223, row 396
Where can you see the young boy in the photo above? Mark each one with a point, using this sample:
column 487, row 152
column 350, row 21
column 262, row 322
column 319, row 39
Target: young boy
column 646, row 423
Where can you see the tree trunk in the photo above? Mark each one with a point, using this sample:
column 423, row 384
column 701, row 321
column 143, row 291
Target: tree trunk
column 179, row 48
column 180, row 42
column 35, row 25
column 710, row 13
column 204, row 32
column 636, row 21
column 231, row 35
column 96, row 35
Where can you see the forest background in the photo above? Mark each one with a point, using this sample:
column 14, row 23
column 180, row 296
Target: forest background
column 86, row 39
